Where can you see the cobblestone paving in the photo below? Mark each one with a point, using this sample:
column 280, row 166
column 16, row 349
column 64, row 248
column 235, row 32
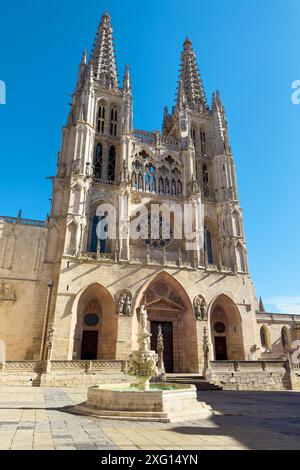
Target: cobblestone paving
column 35, row 418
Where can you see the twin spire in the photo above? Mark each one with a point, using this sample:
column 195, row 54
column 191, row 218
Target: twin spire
column 190, row 90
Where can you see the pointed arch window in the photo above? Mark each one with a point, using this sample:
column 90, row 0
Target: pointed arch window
column 98, row 161
column 240, row 259
column 113, row 122
column 101, row 119
column 236, row 224
column 264, row 337
column 209, row 247
column 203, row 142
column 173, row 188
column 99, row 245
column 285, row 337
column 112, row 164
column 179, row 188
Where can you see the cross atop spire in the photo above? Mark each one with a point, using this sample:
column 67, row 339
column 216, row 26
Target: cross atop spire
column 103, row 55
column 191, row 80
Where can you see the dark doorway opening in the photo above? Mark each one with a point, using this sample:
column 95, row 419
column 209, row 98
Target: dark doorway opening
column 167, row 330
column 220, row 348
column 89, row 347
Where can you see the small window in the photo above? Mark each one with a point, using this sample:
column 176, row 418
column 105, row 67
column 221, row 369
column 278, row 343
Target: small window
column 263, row 337
column 203, row 143
column 284, row 337
column 113, row 122
column 220, row 327
column 101, row 119
column 91, row 319
column 209, row 247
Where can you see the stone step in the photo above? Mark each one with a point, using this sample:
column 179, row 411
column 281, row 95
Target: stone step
column 192, row 379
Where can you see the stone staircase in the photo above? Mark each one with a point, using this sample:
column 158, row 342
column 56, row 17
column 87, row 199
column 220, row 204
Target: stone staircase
column 193, row 379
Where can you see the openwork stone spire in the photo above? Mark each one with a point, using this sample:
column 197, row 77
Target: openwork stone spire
column 220, row 125
column 103, row 55
column 191, row 80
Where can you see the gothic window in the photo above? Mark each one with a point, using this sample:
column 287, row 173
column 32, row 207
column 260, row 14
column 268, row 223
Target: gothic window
column 205, row 182
column 167, row 186
column 113, row 122
column 98, row 161
column 101, row 119
column 173, row 188
column 94, row 238
column 240, row 259
column 209, row 247
column 236, row 224
column 203, row 143
column 112, row 164
column 134, row 182
column 161, row 185
column 179, row 188
column 193, row 135
column 150, row 178
column 284, row 337
column 264, row 337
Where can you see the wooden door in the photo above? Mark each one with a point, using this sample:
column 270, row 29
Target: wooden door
column 167, row 330
column 220, row 348
column 89, row 347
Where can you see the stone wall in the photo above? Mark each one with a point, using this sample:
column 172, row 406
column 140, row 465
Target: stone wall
column 23, row 287
column 250, row 375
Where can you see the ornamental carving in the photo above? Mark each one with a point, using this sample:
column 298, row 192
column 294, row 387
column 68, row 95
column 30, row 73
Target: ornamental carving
column 135, row 199
column 200, row 308
column 7, row 292
column 124, row 303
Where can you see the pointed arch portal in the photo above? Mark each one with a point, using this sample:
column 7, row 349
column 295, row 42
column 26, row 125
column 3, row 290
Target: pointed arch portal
column 168, row 305
column 95, row 326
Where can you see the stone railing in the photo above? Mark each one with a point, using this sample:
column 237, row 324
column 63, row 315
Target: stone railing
column 18, row 220
column 232, row 366
column 20, row 366
column 250, row 375
column 276, row 317
column 144, row 137
column 62, row 373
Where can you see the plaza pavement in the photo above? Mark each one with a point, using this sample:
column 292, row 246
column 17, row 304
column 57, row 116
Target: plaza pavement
column 36, row 418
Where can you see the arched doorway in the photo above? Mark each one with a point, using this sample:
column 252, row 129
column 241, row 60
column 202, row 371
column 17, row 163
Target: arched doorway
column 168, row 305
column 226, row 330
column 94, row 332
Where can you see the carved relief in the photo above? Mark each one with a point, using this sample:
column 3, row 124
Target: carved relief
column 7, row 291
column 135, row 199
column 200, row 308
column 124, row 303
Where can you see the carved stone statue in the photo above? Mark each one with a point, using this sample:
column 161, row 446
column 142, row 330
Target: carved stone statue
column 144, row 318
column 200, row 308
column 121, row 303
column 127, row 306
column 124, row 303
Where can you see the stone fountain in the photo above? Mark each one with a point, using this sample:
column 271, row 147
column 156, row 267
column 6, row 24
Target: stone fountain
column 142, row 400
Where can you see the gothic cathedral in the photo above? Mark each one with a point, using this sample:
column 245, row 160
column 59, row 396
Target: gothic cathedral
column 85, row 281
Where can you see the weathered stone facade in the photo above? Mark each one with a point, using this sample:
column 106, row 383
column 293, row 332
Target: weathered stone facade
column 87, row 289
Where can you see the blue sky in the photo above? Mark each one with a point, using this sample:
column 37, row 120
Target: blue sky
column 249, row 50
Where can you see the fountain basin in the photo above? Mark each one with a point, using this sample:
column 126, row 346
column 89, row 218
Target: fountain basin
column 163, row 402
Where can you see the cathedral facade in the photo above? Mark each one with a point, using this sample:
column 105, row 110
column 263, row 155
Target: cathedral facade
column 83, row 276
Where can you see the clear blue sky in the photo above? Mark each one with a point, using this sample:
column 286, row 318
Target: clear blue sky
column 249, row 49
